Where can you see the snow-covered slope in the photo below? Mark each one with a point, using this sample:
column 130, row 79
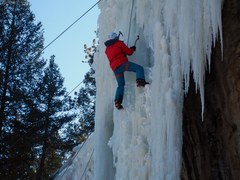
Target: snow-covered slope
column 144, row 140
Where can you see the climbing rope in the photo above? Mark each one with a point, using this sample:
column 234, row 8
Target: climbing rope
column 65, row 30
column 87, row 165
column 76, row 156
column 15, row 142
column 130, row 22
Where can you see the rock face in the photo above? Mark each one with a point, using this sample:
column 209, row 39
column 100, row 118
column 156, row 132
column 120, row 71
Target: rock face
column 211, row 146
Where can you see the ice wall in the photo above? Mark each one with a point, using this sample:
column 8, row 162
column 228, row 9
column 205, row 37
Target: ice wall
column 80, row 164
column 144, row 140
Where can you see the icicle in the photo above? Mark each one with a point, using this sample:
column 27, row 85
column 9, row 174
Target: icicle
column 144, row 141
column 176, row 39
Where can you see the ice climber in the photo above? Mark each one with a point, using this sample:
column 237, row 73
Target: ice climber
column 117, row 52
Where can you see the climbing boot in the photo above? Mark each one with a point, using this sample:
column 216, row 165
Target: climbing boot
column 141, row 82
column 118, row 104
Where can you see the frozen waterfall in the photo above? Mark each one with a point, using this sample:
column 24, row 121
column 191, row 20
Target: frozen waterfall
column 144, row 141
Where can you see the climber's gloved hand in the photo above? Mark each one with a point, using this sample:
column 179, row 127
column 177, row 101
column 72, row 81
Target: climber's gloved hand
column 133, row 47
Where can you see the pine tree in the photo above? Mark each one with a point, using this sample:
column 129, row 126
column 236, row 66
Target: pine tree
column 85, row 100
column 21, row 41
column 33, row 106
column 20, row 67
column 55, row 112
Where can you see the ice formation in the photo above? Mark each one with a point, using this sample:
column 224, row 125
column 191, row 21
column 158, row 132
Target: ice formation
column 144, row 140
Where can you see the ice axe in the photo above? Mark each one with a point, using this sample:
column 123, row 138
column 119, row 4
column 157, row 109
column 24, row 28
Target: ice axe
column 120, row 33
column 136, row 40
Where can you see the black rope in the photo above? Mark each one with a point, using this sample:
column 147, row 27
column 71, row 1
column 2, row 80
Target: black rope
column 76, row 156
column 130, row 22
column 66, row 30
column 87, row 165
column 73, row 89
column 47, row 47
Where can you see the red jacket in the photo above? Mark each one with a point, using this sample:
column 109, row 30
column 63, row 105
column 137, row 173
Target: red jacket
column 117, row 52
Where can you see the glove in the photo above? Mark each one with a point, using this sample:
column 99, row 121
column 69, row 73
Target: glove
column 133, row 47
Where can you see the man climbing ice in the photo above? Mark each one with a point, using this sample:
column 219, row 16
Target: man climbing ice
column 117, row 52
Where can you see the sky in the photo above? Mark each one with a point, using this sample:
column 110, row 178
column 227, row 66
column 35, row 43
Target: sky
column 56, row 16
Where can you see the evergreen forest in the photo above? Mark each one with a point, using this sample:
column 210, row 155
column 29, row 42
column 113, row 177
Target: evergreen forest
column 40, row 122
